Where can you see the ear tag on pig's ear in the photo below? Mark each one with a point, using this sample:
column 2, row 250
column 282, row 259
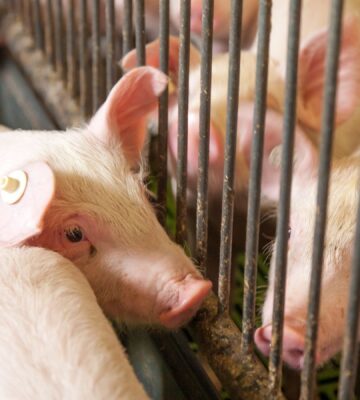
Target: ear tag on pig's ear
column 275, row 156
column 13, row 186
column 25, row 197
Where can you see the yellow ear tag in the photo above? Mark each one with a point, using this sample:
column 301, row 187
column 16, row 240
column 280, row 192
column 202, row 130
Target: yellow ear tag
column 12, row 186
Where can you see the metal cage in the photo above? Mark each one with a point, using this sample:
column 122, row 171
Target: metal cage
column 70, row 59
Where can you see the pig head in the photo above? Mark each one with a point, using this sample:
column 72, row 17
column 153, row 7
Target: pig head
column 339, row 242
column 82, row 195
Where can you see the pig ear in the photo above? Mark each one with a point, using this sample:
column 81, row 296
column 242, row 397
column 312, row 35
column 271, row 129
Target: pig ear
column 123, row 116
column 153, row 57
column 311, row 75
column 305, row 155
column 25, row 197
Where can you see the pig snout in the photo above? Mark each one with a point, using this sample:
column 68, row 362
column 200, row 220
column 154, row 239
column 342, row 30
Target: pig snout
column 293, row 344
column 185, row 298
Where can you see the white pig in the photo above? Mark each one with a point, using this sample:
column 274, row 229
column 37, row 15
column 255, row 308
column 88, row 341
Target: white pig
column 221, row 21
column 339, row 243
column 84, row 198
column 305, row 152
column 55, row 342
column 315, row 16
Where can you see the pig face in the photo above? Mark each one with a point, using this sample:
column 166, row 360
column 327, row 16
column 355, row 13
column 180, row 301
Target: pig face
column 85, row 199
column 336, row 268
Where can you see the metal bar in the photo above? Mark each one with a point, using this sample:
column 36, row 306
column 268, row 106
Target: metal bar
column 127, row 27
column 253, row 215
column 183, row 104
column 243, row 376
column 163, row 111
column 70, row 49
column 84, row 68
column 49, row 33
column 27, row 7
column 38, row 26
column 327, row 126
column 44, row 80
column 227, row 213
column 95, row 44
column 275, row 362
column 350, row 347
column 110, row 44
column 140, row 32
column 59, row 36
column 204, row 128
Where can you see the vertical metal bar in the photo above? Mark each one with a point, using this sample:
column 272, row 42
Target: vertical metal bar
column 28, row 16
column 275, row 362
column 110, row 44
column 70, row 49
column 95, row 55
column 38, row 26
column 140, row 32
column 253, row 216
column 83, row 58
column 204, row 128
column 183, row 101
column 163, row 109
column 350, row 346
column 227, row 212
column 49, row 33
column 127, row 30
column 308, row 374
column 59, row 50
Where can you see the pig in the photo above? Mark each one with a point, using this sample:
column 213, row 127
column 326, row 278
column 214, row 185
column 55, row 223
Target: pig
column 313, row 44
column 80, row 193
column 339, row 244
column 221, row 21
column 55, row 342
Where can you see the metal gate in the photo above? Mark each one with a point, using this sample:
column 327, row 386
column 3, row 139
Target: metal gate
column 69, row 53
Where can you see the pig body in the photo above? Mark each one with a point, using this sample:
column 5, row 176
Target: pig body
column 221, row 21
column 55, row 342
column 85, row 200
column 339, row 243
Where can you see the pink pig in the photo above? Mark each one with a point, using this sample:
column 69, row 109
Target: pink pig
column 55, row 342
column 221, row 21
column 305, row 153
column 85, row 199
column 339, row 243
column 313, row 45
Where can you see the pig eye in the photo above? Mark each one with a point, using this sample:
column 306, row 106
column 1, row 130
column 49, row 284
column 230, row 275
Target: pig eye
column 74, row 234
column 289, row 232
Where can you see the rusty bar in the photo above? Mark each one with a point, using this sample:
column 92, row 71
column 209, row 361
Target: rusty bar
column 38, row 26
column 243, row 376
column 140, row 32
column 204, row 128
column 59, row 37
column 127, row 27
column 253, row 215
column 49, row 33
column 110, row 44
column 95, row 45
column 84, row 67
column 227, row 212
column 327, row 126
column 50, row 88
column 275, row 360
column 163, row 111
column 350, row 345
column 183, row 101
column 70, row 49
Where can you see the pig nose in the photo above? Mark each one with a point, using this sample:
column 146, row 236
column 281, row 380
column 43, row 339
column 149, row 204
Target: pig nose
column 190, row 297
column 293, row 345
